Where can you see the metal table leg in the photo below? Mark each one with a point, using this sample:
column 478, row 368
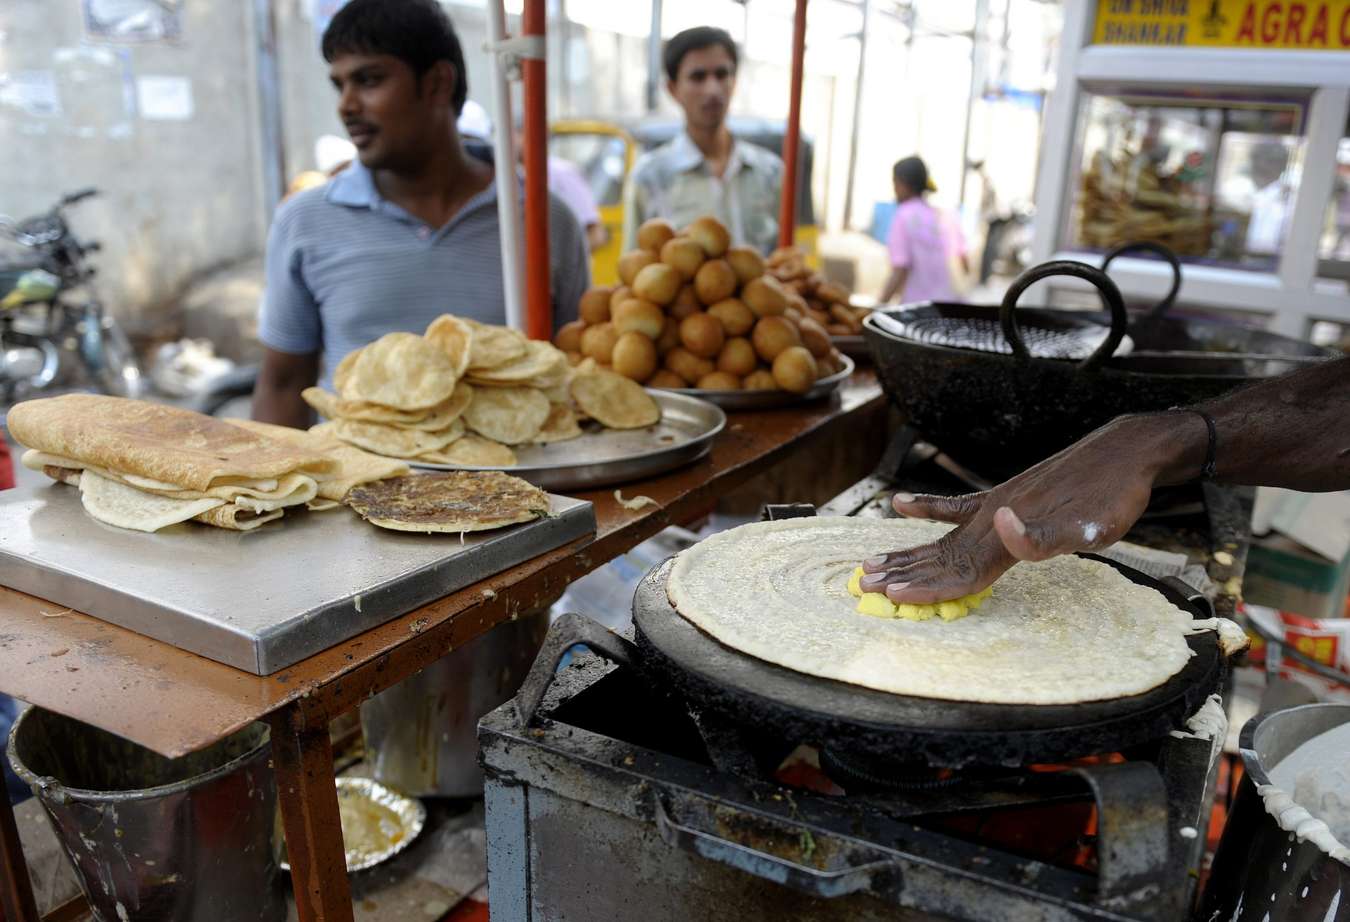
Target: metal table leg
column 16, row 889
column 303, row 761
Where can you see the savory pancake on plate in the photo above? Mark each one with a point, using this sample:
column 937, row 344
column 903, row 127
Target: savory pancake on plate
column 451, row 501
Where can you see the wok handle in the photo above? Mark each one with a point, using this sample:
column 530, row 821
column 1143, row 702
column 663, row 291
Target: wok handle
column 569, row 630
column 1109, row 292
column 775, row 868
column 1157, row 249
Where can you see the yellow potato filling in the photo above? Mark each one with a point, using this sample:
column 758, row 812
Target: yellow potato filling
column 878, row 606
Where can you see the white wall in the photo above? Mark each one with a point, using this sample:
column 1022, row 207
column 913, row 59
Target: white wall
column 181, row 196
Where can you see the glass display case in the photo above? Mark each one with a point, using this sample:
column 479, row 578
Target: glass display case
column 1334, row 245
column 1213, row 177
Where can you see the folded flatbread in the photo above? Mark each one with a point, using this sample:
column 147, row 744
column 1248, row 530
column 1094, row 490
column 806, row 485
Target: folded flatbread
column 163, row 444
column 126, row 507
column 354, row 466
column 1060, row 631
column 144, row 466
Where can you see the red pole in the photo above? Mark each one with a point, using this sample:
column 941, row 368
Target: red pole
column 787, row 210
column 538, row 308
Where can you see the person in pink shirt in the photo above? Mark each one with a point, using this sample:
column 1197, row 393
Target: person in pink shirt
column 923, row 243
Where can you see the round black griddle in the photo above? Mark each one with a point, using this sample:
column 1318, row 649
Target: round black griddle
column 846, row 718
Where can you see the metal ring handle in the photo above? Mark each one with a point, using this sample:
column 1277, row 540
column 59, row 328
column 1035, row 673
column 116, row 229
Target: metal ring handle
column 565, row 633
column 1168, row 256
column 1109, row 292
column 1132, row 849
column 801, row 877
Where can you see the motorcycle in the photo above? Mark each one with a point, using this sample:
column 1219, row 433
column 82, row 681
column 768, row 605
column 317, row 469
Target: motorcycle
column 53, row 328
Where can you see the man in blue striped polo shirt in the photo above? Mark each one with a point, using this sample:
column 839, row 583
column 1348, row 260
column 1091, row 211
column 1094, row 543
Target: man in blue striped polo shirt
column 407, row 232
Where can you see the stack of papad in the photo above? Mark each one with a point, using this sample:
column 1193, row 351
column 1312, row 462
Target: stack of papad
column 465, row 393
column 145, row 466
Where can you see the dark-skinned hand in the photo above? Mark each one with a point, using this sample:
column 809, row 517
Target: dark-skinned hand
column 1084, row 498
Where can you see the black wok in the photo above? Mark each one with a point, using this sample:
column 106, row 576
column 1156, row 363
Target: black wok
column 1000, row 412
column 1207, row 341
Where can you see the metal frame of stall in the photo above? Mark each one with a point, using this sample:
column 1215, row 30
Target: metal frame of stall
column 1293, row 295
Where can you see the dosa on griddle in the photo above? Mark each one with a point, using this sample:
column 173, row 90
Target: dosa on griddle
column 456, row 501
column 165, row 444
column 1060, row 631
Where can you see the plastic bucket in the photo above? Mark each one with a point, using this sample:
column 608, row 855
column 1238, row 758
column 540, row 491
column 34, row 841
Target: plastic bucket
column 153, row 838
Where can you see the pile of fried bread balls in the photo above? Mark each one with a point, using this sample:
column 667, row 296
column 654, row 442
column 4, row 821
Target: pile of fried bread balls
column 695, row 312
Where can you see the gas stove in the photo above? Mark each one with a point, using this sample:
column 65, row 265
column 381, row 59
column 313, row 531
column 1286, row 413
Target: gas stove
column 615, row 793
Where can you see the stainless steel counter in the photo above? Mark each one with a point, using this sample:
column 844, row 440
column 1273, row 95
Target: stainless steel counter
column 260, row 600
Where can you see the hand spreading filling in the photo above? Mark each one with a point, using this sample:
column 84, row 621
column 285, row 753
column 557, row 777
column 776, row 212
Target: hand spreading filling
column 878, row 605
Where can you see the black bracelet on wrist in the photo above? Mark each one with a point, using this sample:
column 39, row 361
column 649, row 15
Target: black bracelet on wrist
column 1208, row 469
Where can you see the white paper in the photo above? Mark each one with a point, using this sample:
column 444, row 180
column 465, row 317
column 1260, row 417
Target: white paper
column 1318, row 521
column 31, row 91
column 164, row 99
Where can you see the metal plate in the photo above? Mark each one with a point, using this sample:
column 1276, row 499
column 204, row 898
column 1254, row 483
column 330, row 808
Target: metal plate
column 855, row 347
column 769, row 400
column 608, row 456
column 954, row 733
column 258, row 600
column 406, row 815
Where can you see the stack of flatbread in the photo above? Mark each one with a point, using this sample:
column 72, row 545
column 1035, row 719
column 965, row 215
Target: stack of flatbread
column 467, row 394
column 146, row 466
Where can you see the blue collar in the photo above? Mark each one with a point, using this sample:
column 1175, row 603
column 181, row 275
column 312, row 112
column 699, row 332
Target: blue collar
column 354, row 187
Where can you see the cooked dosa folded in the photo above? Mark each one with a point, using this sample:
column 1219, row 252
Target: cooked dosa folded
column 126, row 507
column 290, row 490
column 354, row 466
column 175, row 447
column 236, row 518
column 115, row 503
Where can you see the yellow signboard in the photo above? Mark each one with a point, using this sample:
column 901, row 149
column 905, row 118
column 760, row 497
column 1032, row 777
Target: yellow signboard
column 1315, row 25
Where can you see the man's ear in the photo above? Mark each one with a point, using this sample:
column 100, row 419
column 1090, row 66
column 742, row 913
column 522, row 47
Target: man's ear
column 670, row 88
column 441, row 81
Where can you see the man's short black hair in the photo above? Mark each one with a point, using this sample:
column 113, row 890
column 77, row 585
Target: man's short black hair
column 695, row 39
column 417, row 32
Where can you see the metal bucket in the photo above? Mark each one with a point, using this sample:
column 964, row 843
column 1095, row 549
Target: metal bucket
column 1263, row 873
column 155, row 839
column 422, row 734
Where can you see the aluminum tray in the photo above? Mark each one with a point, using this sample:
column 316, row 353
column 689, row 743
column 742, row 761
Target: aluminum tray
column 259, row 600
column 409, row 818
column 608, row 456
column 768, row 400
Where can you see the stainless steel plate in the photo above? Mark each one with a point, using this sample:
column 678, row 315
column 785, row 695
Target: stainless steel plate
column 768, row 400
column 608, row 456
column 256, row 600
column 377, row 823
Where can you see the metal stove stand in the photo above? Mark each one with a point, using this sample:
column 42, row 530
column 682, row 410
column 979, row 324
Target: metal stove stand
column 608, row 797
column 610, row 807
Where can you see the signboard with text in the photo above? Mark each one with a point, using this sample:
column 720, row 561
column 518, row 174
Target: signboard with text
column 1314, row 25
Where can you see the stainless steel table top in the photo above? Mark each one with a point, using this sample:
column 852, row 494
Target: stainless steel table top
column 260, row 600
